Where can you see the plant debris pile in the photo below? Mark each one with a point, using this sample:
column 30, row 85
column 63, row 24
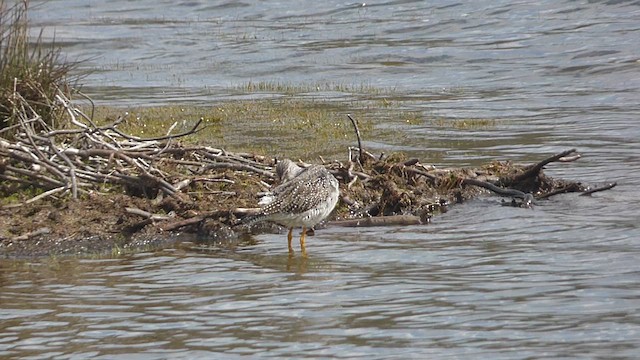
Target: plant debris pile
column 89, row 188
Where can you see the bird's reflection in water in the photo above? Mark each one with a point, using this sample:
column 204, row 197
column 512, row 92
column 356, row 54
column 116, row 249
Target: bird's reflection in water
column 262, row 252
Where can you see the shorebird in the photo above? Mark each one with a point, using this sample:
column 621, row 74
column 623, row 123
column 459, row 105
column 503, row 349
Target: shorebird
column 305, row 197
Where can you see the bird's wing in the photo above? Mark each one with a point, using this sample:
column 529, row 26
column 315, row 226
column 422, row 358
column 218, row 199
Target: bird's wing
column 302, row 193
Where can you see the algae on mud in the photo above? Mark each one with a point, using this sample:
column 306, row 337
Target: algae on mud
column 285, row 127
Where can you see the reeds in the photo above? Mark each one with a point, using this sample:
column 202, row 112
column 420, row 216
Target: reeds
column 29, row 69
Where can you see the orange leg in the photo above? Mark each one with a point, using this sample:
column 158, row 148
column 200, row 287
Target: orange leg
column 289, row 238
column 302, row 247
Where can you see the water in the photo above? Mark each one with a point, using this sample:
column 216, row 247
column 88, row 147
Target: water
column 482, row 281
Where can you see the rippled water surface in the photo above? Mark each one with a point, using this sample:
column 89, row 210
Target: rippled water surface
column 482, row 281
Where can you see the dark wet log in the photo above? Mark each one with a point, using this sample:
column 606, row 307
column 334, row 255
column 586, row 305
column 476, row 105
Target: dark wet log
column 496, row 189
column 533, row 170
column 419, row 172
column 182, row 223
column 411, row 162
column 394, row 220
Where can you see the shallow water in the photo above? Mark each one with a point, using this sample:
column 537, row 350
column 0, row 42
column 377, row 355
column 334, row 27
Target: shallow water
column 482, row 281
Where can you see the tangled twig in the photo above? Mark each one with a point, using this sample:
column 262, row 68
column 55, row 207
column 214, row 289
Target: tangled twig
column 85, row 156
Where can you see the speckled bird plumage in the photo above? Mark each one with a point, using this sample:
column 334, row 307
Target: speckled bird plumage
column 308, row 197
column 305, row 197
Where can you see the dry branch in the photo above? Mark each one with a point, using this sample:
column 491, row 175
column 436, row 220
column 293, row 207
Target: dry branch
column 357, row 131
column 32, row 234
column 147, row 215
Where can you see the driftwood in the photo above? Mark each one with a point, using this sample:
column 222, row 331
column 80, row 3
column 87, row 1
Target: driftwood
column 529, row 174
column 85, row 156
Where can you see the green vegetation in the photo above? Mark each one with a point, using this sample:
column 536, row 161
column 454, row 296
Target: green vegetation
column 298, row 89
column 30, row 71
column 11, row 193
column 280, row 127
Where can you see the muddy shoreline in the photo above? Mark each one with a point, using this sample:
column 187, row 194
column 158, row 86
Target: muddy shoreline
column 208, row 211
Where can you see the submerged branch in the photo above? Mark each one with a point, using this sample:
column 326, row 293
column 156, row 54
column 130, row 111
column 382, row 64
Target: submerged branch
column 601, row 188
